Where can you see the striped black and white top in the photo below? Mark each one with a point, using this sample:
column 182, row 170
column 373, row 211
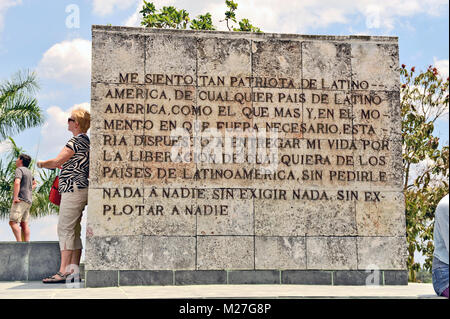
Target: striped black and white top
column 76, row 169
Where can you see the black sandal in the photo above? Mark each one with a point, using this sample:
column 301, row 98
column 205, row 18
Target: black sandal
column 53, row 280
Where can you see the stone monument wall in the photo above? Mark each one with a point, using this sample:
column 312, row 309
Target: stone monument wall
column 229, row 157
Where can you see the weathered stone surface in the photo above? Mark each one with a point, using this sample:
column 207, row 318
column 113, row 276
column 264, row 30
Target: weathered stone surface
column 225, row 252
column 285, row 63
column 383, row 218
column 166, row 54
column 279, row 218
column 226, row 217
column 327, row 115
column 305, row 217
column 223, row 57
column 381, row 110
column 114, row 212
column 382, row 252
column 114, row 252
column 383, row 167
column 177, row 119
column 377, row 63
column 161, row 253
column 126, row 50
column 168, row 216
column 331, row 253
column 280, row 253
column 329, row 61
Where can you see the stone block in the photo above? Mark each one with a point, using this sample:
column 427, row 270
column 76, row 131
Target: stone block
column 331, row 253
column 306, row 277
column 167, row 212
column 167, row 54
column 357, row 278
column 246, row 277
column 225, row 252
column 280, row 218
column 381, row 167
column 381, row 110
column 376, row 63
column 277, row 58
column 226, row 217
column 114, row 253
column 396, row 277
column 114, row 211
column 326, row 62
column 200, row 277
column 382, row 218
column 382, row 252
column 219, row 57
column 126, row 50
column 280, row 253
column 102, row 278
column 169, row 253
column 145, row 277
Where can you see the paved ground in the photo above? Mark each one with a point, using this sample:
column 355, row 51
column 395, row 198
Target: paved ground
column 38, row 290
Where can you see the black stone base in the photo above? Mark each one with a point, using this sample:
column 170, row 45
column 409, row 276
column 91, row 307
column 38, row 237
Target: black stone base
column 111, row 278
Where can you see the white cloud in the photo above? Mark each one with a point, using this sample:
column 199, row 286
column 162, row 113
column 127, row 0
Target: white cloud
column 442, row 66
column 287, row 16
column 54, row 133
column 135, row 19
column 4, row 6
column 67, row 61
column 106, row 7
column 5, row 146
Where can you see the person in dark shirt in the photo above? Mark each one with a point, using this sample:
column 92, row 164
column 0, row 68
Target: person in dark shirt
column 22, row 198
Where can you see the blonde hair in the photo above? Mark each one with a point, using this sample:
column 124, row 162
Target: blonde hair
column 83, row 118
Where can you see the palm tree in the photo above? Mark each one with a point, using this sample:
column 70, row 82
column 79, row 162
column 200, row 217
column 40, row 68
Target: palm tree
column 19, row 111
column 41, row 205
column 19, row 108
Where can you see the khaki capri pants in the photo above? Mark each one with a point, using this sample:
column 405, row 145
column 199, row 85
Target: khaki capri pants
column 69, row 222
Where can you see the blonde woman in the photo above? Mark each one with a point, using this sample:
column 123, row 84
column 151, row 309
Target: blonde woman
column 73, row 186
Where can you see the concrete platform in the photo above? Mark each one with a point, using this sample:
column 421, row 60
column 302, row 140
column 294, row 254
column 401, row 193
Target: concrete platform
column 38, row 290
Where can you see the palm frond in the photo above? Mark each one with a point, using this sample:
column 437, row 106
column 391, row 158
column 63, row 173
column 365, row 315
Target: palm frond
column 19, row 108
column 21, row 81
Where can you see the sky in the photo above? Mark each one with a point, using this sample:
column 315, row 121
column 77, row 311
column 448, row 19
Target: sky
column 53, row 39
